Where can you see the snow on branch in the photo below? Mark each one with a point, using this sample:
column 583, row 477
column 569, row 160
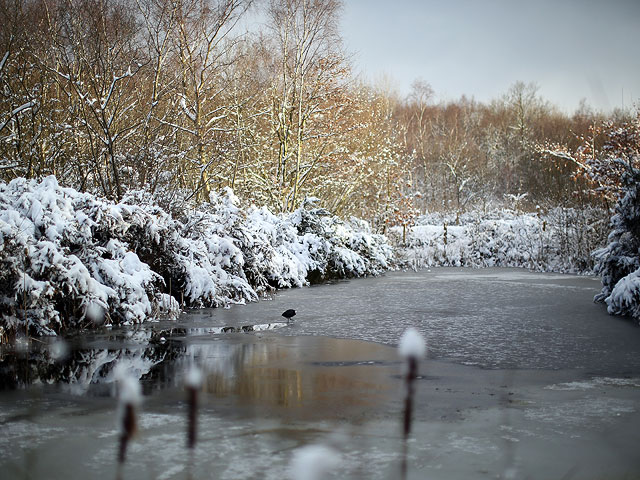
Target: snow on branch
column 3, row 61
column 187, row 111
column 16, row 111
column 116, row 79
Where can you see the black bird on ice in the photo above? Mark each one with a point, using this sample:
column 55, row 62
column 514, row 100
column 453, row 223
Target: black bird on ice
column 288, row 314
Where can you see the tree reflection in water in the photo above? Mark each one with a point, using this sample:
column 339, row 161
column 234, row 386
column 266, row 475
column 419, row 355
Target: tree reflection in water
column 247, row 369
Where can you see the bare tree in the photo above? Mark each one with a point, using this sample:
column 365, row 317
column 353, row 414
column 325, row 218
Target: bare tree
column 419, row 124
column 26, row 114
column 308, row 94
column 158, row 20
column 96, row 62
column 204, row 44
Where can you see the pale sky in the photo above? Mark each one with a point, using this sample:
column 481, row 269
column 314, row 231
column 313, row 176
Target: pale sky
column 572, row 49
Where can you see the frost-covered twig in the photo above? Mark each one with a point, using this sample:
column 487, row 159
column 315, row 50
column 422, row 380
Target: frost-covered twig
column 26, row 106
column 4, row 60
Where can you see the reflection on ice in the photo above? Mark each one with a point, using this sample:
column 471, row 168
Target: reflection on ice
column 93, row 361
column 259, row 379
column 276, row 374
column 76, row 369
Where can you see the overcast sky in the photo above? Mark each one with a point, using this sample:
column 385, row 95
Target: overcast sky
column 572, row 49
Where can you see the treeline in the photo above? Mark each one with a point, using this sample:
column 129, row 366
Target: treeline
column 180, row 98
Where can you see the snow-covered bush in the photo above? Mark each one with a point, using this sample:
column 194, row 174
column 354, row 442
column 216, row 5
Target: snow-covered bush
column 276, row 256
column 619, row 262
column 196, row 255
column 64, row 259
column 560, row 240
column 352, row 251
column 71, row 260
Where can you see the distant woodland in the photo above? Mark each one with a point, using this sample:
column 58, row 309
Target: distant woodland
column 181, row 98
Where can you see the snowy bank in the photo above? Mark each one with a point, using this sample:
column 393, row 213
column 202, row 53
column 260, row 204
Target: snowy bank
column 71, row 260
column 560, row 240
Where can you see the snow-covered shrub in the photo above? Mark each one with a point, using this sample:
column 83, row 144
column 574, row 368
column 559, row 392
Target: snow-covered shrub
column 64, row 259
column 196, row 255
column 559, row 240
column 309, row 245
column 71, row 260
column 341, row 249
column 276, row 255
column 619, row 262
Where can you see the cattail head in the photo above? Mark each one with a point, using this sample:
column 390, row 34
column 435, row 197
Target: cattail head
column 58, row 349
column 95, row 312
column 130, row 392
column 313, row 462
column 412, row 344
column 193, row 378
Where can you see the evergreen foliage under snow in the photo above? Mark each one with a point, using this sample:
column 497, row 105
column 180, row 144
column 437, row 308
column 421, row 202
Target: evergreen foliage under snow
column 619, row 262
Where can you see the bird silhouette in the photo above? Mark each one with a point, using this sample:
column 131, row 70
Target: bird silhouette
column 288, row 314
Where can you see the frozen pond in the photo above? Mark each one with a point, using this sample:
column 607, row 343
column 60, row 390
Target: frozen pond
column 493, row 318
column 525, row 378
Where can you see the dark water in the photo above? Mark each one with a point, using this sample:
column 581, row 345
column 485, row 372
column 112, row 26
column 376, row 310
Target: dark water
column 492, row 318
column 525, row 378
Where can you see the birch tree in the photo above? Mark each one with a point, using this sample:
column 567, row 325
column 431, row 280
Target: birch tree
column 205, row 46
column 308, row 94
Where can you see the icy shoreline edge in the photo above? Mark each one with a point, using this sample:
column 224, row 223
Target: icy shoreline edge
column 71, row 260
